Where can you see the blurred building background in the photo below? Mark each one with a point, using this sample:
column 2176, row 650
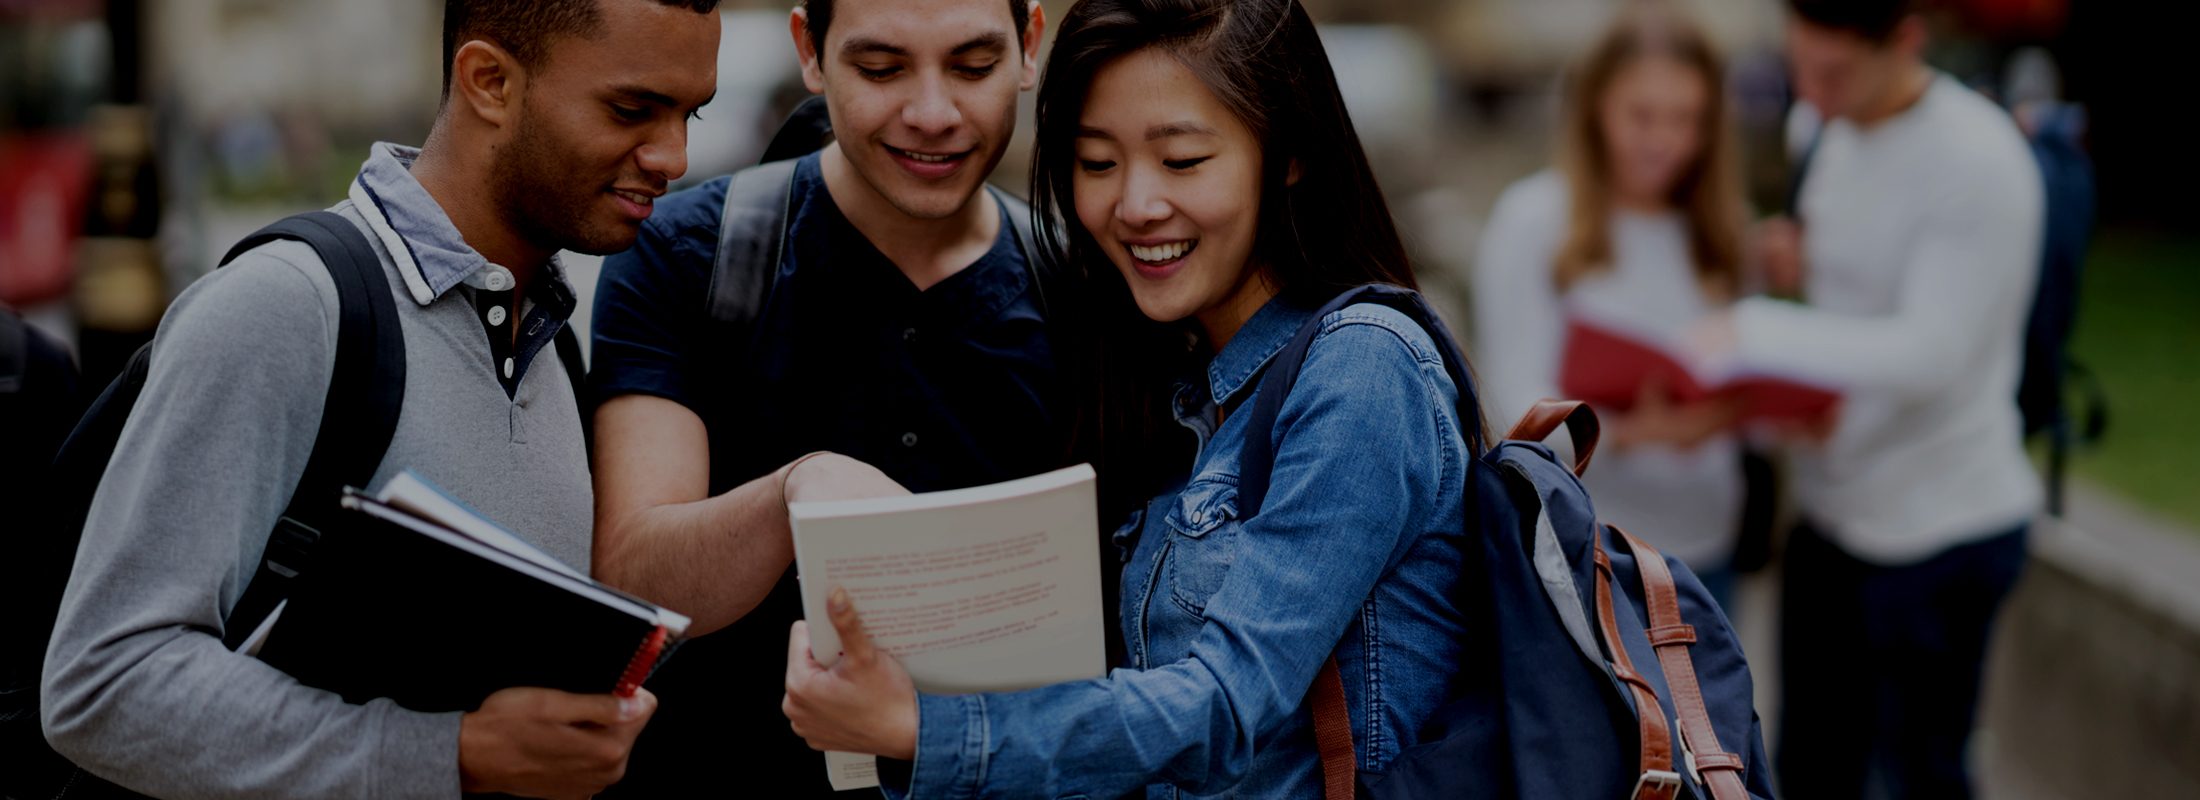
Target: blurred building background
column 140, row 138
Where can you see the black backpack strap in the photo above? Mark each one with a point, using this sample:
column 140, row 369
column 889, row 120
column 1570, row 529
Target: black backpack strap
column 1027, row 239
column 1800, row 170
column 807, row 130
column 569, row 353
column 752, row 229
column 15, row 351
column 752, row 237
column 366, row 388
column 1258, row 458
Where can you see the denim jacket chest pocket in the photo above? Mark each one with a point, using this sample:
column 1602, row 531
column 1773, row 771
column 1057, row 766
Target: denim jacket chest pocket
column 1204, row 534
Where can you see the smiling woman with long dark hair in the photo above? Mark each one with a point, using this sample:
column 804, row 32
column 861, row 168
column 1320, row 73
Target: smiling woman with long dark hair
column 1197, row 159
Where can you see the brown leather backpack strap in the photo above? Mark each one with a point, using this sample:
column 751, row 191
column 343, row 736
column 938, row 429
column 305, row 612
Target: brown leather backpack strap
column 1545, row 417
column 1333, row 734
column 1671, row 636
column 1658, row 780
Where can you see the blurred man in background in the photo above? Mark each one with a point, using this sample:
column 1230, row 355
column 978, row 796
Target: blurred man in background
column 1919, row 236
column 561, row 121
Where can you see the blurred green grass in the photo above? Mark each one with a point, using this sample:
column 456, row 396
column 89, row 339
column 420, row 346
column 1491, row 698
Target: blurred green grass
column 2138, row 329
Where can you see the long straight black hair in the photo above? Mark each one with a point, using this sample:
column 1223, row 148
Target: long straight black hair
column 1326, row 232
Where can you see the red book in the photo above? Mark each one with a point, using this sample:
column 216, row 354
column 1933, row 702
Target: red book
column 1608, row 368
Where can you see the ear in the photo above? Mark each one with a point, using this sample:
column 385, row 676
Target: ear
column 1291, row 173
column 1034, row 29
column 805, row 51
column 488, row 81
column 1911, row 36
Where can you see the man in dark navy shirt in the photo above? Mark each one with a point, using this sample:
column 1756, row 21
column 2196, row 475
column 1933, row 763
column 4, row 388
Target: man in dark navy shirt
column 905, row 333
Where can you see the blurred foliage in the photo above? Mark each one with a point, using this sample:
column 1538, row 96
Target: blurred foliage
column 2138, row 330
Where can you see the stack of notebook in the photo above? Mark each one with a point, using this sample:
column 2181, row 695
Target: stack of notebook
column 414, row 597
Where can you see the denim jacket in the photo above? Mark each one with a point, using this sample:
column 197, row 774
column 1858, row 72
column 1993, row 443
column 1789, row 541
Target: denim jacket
column 1357, row 553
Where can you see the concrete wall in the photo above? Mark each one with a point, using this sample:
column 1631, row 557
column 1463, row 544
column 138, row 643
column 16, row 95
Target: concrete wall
column 2094, row 681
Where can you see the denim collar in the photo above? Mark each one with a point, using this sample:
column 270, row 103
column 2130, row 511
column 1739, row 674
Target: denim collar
column 430, row 253
column 1232, row 370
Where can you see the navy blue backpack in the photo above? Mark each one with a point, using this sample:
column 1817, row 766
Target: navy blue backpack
column 1597, row 667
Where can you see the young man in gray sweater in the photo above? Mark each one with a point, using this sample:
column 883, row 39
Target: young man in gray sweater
column 562, row 120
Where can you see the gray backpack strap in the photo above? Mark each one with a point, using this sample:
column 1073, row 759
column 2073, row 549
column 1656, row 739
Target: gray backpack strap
column 1019, row 218
column 752, row 237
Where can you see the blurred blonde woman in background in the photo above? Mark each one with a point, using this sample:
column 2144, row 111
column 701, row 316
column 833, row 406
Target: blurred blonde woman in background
column 1637, row 230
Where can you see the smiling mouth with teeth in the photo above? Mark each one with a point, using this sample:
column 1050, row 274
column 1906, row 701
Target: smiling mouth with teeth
column 926, row 158
column 1163, row 253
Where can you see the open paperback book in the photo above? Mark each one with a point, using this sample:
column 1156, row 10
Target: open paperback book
column 994, row 588
column 413, row 596
column 1608, row 367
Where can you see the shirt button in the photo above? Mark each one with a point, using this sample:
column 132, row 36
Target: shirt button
column 909, row 440
column 496, row 315
column 507, row 369
column 497, row 281
column 908, row 334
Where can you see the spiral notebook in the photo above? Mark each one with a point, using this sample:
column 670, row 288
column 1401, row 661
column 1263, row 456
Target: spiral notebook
column 415, row 597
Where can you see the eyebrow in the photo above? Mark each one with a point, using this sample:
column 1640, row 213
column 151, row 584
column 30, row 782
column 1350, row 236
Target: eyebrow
column 990, row 41
column 864, row 45
column 653, row 97
column 1155, row 133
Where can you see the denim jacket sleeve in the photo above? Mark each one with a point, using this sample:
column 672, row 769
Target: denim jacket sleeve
column 1359, row 456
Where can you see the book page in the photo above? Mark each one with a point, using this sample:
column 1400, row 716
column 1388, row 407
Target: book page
column 995, row 588
column 412, row 493
column 1609, row 366
column 251, row 644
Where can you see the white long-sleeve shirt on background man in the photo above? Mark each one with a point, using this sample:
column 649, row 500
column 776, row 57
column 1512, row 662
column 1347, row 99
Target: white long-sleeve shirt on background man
column 1921, row 240
column 1687, row 502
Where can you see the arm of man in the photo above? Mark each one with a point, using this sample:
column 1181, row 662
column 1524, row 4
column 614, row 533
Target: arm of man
column 1965, row 284
column 138, row 687
column 659, row 532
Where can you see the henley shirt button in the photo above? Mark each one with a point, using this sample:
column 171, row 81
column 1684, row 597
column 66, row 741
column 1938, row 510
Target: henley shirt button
column 909, row 334
column 507, row 369
column 496, row 315
column 909, row 440
column 497, row 282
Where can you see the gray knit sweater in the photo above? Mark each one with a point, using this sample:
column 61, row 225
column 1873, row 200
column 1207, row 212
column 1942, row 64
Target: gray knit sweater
column 137, row 686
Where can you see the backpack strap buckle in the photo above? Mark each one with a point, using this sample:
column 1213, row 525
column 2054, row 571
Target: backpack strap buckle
column 1657, row 784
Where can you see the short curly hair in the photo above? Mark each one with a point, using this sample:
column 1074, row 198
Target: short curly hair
column 525, row 27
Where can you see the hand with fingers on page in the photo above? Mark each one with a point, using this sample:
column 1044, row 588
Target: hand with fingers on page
column 863, row 703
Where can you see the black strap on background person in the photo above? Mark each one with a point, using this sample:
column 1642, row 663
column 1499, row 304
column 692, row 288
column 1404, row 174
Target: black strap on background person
column 1756, row 544
column 14, row 352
